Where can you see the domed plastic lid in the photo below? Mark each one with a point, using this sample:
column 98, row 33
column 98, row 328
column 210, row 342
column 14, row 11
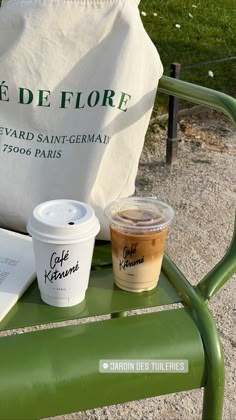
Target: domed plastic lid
column 139, row 214
column 63, row 221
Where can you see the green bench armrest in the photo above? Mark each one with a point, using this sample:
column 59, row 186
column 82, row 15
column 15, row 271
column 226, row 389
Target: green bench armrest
column 224, row 270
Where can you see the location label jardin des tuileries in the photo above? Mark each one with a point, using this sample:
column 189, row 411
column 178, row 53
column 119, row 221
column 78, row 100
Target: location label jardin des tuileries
column 64, row 101
column 143, row 366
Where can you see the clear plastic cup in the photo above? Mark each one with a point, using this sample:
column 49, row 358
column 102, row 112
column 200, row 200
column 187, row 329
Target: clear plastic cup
column 139, row 227
column 63, row 233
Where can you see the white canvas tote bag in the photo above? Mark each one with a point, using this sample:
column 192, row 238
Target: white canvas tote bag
column 77, row 85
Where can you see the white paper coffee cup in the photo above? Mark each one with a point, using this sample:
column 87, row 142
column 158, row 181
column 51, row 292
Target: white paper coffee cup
column 63, row 233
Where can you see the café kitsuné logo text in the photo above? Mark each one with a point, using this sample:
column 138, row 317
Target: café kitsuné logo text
column 130, row 258
column 56, row 270
column 67, row 99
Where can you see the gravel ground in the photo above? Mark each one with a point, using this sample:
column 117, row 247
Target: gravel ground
column 201, row 186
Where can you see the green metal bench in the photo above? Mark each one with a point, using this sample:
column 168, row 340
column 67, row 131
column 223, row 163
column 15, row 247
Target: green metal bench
column 54, row 371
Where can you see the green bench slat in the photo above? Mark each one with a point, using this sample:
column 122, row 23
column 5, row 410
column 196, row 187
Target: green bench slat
column 102, row 297
column 63, row 376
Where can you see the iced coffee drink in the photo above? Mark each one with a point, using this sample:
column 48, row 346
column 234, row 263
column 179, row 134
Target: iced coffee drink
column 139, row 228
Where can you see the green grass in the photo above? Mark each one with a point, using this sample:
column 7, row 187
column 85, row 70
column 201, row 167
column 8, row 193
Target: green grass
column 209, row 35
